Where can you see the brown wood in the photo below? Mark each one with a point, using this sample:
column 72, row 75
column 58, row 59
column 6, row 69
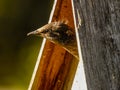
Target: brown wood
column 99, row 36
column 57, row 67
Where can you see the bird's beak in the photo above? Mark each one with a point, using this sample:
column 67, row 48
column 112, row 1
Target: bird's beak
column 36, row 32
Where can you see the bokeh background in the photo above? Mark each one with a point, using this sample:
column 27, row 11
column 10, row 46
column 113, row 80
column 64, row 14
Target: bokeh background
column 18, row 53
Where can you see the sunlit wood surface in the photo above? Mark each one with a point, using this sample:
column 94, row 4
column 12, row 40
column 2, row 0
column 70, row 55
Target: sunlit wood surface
column 57, row 67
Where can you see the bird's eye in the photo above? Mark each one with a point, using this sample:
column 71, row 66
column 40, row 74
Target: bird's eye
column 45, row 31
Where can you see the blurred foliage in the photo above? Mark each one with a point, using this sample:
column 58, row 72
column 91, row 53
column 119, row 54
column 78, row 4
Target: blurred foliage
column 18, row 53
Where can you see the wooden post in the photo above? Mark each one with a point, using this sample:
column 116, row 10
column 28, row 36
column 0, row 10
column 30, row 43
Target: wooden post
column 55, row 67
column 99, row 36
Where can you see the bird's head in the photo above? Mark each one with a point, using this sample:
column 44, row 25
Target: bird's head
column 57, row 32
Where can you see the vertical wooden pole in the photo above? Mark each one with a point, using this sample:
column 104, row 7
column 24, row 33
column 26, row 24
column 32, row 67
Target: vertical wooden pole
column 99, row 35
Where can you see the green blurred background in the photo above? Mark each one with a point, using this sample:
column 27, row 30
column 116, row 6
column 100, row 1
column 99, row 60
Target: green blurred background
column 18, row 53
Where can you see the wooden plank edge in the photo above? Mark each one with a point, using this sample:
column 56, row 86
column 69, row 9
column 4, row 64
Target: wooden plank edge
column 80, row 74
column 41, row 49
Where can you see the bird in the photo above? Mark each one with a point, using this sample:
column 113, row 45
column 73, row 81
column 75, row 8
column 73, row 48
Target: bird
column 60, row 33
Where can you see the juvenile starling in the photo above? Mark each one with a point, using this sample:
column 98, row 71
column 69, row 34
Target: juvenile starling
column 59, row 33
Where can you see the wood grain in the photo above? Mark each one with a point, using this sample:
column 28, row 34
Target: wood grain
column 99, row 36
column 57, row 67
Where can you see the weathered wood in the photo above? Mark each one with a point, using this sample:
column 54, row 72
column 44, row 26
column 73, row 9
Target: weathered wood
column 99, row 36
column 57, row 67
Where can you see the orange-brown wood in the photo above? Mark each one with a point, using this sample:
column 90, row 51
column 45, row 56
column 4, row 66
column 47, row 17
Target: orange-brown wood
column 57, row 67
